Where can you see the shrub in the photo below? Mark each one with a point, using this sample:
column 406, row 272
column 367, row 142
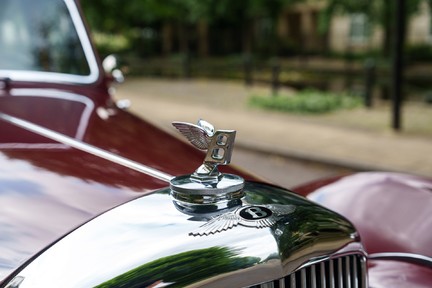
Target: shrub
column 306, row 101
column 419, row 52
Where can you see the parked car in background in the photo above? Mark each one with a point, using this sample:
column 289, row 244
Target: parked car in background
column 93, row 196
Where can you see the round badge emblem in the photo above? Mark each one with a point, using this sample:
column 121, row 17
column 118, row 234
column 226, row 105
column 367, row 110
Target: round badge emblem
column 253, row 216
column 255, row 213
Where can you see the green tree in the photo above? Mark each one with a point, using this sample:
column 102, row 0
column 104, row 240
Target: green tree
column 247, row 13
column 122, row 16
column 174, row 19
column 106, row 15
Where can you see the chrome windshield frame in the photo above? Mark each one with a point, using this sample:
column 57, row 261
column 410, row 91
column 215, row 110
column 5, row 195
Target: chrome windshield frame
column 54, row 77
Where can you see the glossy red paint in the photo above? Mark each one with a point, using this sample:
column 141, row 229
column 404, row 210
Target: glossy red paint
column 396, row 274
column 307, row 188
column 106, row 127
column 45, row 193
column 49, row 188
column 390, row 210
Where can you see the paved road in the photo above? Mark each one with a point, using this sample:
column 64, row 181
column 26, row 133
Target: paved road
column 283, row 171
column 224, row 103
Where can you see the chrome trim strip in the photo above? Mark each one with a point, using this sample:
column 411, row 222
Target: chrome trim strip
column 85, row 147
column 408, row 257
column 46, row 77
column 85, row 41
column 61, row 77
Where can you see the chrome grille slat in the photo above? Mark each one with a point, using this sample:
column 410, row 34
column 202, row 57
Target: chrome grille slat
column 332, row 276
column 339, row 272
column 303, row 278
column 293, row 280
column 313, row 277
column 282, row 283
column 348, row 272
column 355, row 275
column 342, row 272
column 323, row 275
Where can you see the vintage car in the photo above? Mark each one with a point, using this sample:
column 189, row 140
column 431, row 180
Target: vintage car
column 93, row 196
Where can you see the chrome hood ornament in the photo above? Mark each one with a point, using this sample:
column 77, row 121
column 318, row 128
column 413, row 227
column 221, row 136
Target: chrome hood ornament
column 207, row 186
column 219, row 145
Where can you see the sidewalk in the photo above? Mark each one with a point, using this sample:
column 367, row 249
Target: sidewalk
column 224, row 104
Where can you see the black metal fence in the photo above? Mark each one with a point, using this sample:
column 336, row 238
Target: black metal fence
column 368, row 79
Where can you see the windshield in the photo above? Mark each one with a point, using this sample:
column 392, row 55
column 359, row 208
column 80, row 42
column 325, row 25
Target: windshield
column 40, row 36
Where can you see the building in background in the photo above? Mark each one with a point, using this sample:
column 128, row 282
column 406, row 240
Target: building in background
column 299, row 24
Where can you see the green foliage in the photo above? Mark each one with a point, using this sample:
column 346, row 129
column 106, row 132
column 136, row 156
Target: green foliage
column 250, row 9
column 183, row 269
column 111, row 43
column 174, row 24
column 105, row 15
column 306, row 101
column 116, row 15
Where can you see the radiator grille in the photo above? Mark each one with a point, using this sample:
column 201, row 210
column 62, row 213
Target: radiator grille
column 343, row 272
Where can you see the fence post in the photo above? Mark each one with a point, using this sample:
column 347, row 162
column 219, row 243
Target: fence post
column 186, row 66
column 397, row 63
column 276, row 68
column 369, row 82
column 247, row 66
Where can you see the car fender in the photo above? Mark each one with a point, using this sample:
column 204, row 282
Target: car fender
column 390, row 210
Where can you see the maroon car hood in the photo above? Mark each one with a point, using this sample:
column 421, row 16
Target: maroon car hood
column 390, row 210
column 47, row 187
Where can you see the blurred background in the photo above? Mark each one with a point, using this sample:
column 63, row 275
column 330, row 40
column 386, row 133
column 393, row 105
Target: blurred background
column 358, row 65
